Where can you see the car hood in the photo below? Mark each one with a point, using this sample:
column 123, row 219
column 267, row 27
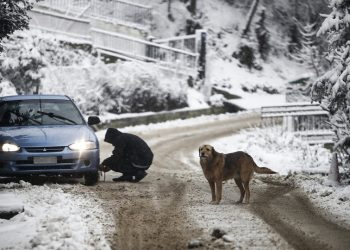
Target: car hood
column 46, row 136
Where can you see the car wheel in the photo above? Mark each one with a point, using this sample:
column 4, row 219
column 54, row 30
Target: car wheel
column 91, row 179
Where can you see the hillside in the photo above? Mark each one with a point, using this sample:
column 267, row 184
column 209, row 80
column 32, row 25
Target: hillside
column 124, row 87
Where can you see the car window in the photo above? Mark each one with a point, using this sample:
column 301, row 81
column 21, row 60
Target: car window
column 39, row 112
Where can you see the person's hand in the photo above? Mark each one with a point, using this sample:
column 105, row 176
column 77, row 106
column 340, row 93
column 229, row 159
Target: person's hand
column 103, row 168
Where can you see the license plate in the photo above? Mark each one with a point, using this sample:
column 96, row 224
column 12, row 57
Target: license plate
column 45, row 160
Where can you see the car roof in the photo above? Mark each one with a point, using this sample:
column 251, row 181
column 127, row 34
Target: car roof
column 33, row 97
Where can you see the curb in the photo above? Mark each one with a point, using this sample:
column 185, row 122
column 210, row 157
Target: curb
column 169, row 115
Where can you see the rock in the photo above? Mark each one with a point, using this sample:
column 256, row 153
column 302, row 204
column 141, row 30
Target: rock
column 194, row 244
column 228, row 238
column 218, row 232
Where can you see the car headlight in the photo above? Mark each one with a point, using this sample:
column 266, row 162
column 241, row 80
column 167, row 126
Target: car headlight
column 10, row 147
column 82, row 145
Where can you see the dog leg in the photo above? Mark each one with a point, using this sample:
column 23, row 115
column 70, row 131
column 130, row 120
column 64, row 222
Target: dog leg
column 246, row 187
column 241, row 189
column 218, row 192
column 212, row 188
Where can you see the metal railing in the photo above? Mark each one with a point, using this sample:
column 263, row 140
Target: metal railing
column 307, row 121
column 144, row 50
column 188, row 42
column 110, row 10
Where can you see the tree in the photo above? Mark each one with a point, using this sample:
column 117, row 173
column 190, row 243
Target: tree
column 192, row 7
column 332, row 88
column 251, row 14
column 170, row 15
column 308, row 54
column 13, row 16
column 262, row 35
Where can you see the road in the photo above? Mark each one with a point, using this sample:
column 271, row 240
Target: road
column 170, row 207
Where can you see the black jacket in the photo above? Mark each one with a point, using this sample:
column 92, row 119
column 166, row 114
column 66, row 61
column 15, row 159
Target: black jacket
column 128, row 147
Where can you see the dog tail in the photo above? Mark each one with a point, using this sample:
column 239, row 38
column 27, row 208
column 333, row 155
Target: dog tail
column 262, row 170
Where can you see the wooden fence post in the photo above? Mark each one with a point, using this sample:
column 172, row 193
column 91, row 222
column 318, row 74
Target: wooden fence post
column 202, row 50
column 333, row 176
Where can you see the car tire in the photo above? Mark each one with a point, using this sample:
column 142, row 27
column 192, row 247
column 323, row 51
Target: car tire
column 91, row 179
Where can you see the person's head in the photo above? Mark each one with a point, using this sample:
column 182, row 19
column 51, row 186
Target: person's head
column 111, row 135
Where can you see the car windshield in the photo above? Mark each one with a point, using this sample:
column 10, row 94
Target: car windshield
column 39, row 112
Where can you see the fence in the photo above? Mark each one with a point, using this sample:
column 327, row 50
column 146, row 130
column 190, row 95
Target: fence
column 188, row 42
column 147, row 51
column 182, row 59
column 308, row 121
column 58, row 23
column 103, row 9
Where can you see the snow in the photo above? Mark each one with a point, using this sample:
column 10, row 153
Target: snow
column 281, row 151
column 38, row 225
column 7, row 88
column 90, row 86
column 52, row 219
column 10, row 203
column 254, row 101
column 298, row 163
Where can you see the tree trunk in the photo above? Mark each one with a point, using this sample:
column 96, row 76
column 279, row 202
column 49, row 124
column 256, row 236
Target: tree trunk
column 251, row 14
column 193, row 6
column 296, row 13
column 170, row 16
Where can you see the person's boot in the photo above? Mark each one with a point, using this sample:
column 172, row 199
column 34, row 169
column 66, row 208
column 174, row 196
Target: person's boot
column 124, row 177
column 139, row 176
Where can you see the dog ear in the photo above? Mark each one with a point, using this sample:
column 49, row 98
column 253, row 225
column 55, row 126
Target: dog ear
column 214, row 151
column 199, row 153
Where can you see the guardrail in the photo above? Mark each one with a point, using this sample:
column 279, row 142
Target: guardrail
column 308, row 121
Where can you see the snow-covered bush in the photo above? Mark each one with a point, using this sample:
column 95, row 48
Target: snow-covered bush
column 139, row 87
column 26, row 53
column 6, row 88
column 333, row 88
column 245, row 53
column 118, row 88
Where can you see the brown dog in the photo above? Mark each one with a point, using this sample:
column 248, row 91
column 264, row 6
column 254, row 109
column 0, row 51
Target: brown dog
column 218, row 167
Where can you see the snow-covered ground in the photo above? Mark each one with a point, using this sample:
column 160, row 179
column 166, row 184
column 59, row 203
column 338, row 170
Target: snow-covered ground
column 53, row 218
column 291, row 157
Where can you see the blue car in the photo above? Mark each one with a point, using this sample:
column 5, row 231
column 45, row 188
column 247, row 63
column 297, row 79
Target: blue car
column 47, row 135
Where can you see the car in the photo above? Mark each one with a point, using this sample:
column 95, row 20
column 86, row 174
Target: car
column 47, row 135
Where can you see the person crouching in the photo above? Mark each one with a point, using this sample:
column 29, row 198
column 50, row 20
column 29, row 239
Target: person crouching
column 131, row 156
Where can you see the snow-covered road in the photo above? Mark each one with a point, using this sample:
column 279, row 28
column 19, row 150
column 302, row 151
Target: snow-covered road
column 170, row 207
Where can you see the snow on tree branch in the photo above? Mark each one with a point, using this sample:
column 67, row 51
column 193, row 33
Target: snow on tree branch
column 333, row 88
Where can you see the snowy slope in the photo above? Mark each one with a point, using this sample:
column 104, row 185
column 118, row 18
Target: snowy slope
column 224, row 23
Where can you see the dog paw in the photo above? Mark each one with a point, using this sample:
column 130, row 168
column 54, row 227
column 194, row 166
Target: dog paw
column 214, row 202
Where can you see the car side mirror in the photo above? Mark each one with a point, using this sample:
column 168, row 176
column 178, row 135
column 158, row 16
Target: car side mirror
column 93, row 120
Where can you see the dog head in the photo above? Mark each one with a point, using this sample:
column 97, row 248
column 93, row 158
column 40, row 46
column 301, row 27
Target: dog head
column 206, row 152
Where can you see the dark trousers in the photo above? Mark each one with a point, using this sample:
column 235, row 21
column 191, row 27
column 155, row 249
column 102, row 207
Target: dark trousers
column 124, row 166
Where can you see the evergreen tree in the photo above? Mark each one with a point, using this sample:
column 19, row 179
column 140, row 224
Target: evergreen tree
column 308, row 54
column 13, row 16
column 262, row 35
column 332, row 88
